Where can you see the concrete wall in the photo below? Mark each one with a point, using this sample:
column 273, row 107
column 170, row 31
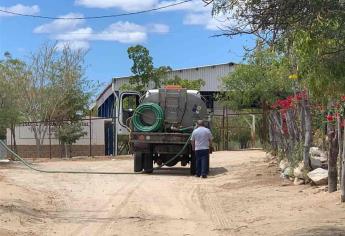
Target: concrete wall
column 26, row 143
column 58, row 151
column 25, row 135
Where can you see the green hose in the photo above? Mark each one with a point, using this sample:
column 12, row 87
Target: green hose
column 139, row 112
column 27, row 164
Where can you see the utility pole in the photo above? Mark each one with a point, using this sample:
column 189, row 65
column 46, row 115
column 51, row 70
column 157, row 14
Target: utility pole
column 115, row 118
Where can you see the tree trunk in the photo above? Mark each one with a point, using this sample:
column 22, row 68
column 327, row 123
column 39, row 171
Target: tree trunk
column 282, row 141
column 343, row 172
column 13, row 133
column 340, row 146
column 302, row 112
column 265, row 123
column 308, row 133
column 332, row 159
column 70, row 150
column 66, row 150
column 38, row 141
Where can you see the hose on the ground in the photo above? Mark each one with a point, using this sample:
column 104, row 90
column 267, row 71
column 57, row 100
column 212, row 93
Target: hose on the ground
column 139, row 111
column 27, row 164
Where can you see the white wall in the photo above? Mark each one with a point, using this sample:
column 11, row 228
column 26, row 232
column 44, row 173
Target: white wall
column 25, row 135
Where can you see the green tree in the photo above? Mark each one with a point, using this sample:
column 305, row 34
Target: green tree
column 259, row 82
column 311, row 36
column 273, row 20
column 13, row 74
column 55, row 88
column 145, row 75
column 188, row 84
column 68, row 134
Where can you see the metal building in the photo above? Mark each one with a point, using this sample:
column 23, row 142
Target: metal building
column 211, row 74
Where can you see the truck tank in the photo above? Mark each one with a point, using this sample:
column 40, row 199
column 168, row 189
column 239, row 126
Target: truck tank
column 162, row 126
column 181, row 107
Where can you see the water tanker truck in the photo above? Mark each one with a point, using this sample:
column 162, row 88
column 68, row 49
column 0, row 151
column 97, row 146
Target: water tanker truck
column 161, row 128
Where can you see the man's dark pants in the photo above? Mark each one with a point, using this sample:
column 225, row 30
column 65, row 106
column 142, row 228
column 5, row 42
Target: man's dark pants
column 201, row 161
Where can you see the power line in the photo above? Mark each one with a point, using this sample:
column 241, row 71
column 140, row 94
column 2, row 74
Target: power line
column 96, row 17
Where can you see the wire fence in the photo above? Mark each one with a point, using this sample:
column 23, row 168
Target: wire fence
column 91, row 136
column 3, row 152
column 235, row 131
column 94, row 136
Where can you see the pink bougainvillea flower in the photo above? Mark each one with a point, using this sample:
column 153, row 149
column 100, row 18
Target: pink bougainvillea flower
column 330, row 118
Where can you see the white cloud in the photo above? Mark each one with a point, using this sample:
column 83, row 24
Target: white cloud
column 127, row 5
column 77, row 35
column 21, row 9
column 206, row 20
column 60, row 25
column 123, row 32
column 192, row 6
column 74, row 45
column 197, row 12
column 158, row 28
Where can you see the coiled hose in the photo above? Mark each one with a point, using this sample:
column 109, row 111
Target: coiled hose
column 137, row 120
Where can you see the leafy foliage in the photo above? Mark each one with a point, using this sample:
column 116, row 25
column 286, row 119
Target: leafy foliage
column 13, row 73
column 144, row 73
column 188, row 84
column 259, row 82
column 69, row 133
column 273, row 20
column 51, row 86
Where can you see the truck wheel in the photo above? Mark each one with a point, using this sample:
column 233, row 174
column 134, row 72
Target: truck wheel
column 148, row 163
column 138, row 162
column 192, row 164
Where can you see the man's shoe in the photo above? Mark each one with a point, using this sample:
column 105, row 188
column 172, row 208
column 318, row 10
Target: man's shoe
column 198, row 176
column 204, row 176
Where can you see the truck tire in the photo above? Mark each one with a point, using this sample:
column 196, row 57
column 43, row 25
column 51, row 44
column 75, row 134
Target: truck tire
column 138, row 162
column 192, row 164
column 148, row 163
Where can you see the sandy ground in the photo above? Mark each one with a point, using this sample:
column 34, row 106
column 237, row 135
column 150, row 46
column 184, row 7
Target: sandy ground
column 243, row 195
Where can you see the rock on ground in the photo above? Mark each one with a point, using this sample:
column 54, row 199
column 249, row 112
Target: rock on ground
column 315, row 151
column 298, row 171
column 298, row 181
column 318, row 162
column 319, row 176
column 288, row 172
column 283, row 164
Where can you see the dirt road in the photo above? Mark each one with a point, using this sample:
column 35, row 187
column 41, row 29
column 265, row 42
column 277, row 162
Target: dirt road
column 242, row 196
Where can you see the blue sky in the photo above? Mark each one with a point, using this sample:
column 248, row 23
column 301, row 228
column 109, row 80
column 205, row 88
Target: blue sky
column 179, row 37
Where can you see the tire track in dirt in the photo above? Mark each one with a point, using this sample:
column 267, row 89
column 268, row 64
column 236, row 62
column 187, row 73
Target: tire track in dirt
column 121, row 205
column 211, row 204
column 83, row 227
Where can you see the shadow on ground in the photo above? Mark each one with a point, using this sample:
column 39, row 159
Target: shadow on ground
column 185, row 171
column 320, row 231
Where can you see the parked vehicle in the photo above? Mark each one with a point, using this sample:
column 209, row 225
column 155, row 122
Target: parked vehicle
column 161, row 126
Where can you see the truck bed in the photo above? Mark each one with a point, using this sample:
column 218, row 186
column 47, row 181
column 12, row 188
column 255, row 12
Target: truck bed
column 159, row 138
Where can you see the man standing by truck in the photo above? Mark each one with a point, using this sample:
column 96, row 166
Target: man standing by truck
column 201, row 144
